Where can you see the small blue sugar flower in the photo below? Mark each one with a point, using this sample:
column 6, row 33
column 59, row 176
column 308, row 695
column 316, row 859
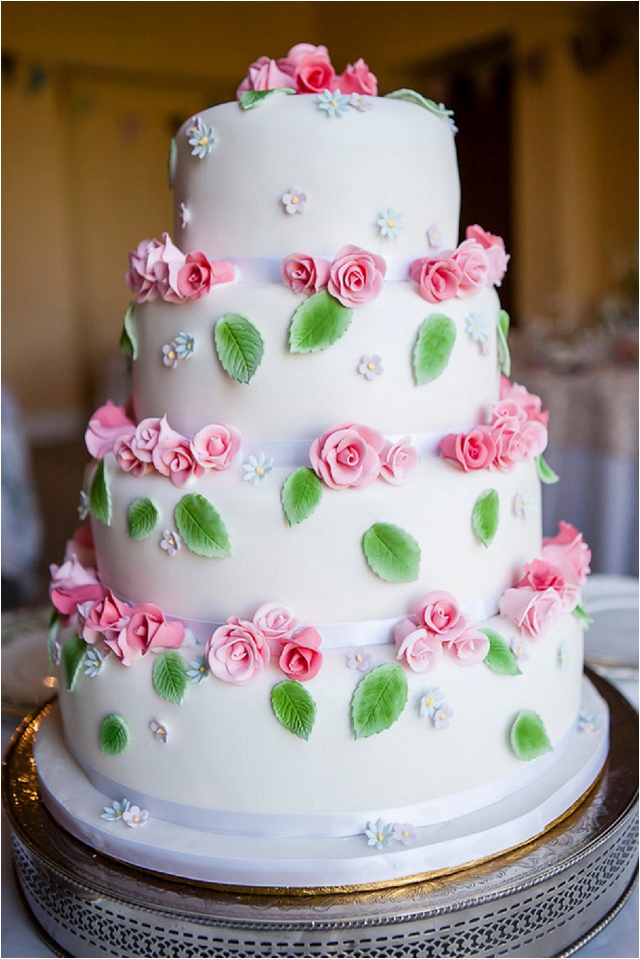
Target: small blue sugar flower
column 92, row 662
column 198, row 669
column 334, row 104
column 116, row 812
column 184, row 345
column 379, row 834
column 201, row 138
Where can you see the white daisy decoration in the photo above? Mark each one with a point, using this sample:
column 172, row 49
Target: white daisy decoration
column 478, row 328
column 256, row 469
column 390, row 223
column 525, row 504
column 201, row 138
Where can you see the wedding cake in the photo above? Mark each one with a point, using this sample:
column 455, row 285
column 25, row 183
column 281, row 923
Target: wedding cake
column 313, row 634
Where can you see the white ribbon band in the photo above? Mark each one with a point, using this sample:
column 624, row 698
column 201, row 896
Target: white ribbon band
column 256, row 270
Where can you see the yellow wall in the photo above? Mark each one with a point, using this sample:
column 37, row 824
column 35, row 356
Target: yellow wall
column 84, row 158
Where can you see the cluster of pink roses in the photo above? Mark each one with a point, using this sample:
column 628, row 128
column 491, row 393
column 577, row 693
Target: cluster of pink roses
column 307, row 69
column 153, row 445
column 352, row 456
column 353, row 277
column 239, row 650
column 437, row 625
column 479, row 261
column 517, row 428
column 550, row 586
column 129, row 631
column 162, row 270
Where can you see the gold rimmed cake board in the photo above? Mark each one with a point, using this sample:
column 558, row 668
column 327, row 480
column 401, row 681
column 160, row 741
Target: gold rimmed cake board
column 546, row 898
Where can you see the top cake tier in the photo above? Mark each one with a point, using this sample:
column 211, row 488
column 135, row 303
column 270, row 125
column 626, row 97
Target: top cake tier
column 352, row 166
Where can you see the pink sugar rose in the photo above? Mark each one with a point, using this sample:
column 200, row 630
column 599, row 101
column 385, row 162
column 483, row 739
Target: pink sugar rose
column 535, row 438
column 541, row 575
column 237, row 651
column 532, row 610
column 528, row 402
column 173, row 457
column 439, row 612
column 398, row 461
column 145, row 439
column 105, row 619
column 473, row 263
column 494, row 247
column 222, row 272
column 73, row 584
column 298, row 52
column 347, row 456
column 357, row 78
column 81, row 546
column 194, row 278
column 267, row 74
column 166, row 268
column 510, row 448
column 569, row 552
column 301, row 658
column 438, row 279
column 276, row 623
column 314, row 72
column 356, row 276
column 154, row 270
column 147, row 629
column 474, row 450
column 107, row 424
column 470, row 647
column 140, row 277
column 508, row 413
column 127, row 459
column 420, row 649
column 305, row 274
column 214, row 447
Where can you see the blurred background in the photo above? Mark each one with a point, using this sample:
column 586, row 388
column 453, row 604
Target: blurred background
column 545, row 97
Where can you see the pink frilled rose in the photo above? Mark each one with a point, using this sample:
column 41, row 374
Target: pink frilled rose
column 569, row 553
column 237, row 651
column 356, row 276
column 398, row 461
column 127, row 459
column 276, row 623
column 347, row 456
column 473, row 451
column 305, row 274
column 214, row 447
column 73, row 585
column 313, row 70
column 470, row 647
column 81, row 546
column 529, row 403
column 534, row 611
column 542, row 575
column 173, row 457
column 472, row 261
column 148, row 629
column 266, row 74
column 301, row 658
column 358, row 78
column 493, row 246
column 439, row 612
column 145, row 439
column 194, row 278
column 438, row 279
column 140, row 276
column 162, row 270
column 418, row 647
column 105, row 619
column 107, row 424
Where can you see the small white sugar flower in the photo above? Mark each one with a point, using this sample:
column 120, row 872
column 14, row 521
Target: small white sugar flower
column 257, row 468
column 185, row 215
column 359, row 659
column 478, row 329
column 370, row 367
column 170, row 355
column 83, row 506
column 391, row 223
column 431, row 702
column 134, row 816
column 294, row 200
column 159, row 731
column 170, row 542
column 525, row 504
column 434, row 236
column 520, row 649
column 405, row 833
column 564, row 656
column 589, row 722
column 360, row 102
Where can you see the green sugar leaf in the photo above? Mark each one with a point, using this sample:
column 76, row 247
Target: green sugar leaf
column 72, row 657
column 500, row 658
column 545, row 473
column 582, row 616
column 52, row 635
column 433, row 348
column 115, row 735
column 255, row 98
column 301, row 494
column 170, row 676
column 412, row 97
column 171, row 161
column 378, row 700
column 100, row 495
column 317, row 323
column 528, row 736
column 142, row 518
column 294, row 708
column 485, row 517
column 392, row 553
column 129, row 336
column 201, row 527
column 240, row 346
column 504, row 356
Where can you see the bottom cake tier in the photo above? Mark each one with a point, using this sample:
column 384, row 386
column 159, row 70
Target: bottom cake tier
column 454, row 832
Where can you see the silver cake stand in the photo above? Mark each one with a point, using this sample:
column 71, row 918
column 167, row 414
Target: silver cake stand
column 546, row 898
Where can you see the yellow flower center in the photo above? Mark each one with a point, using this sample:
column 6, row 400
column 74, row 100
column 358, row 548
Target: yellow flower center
column 259, row 470
column 405, row 834
column 371, row 366
column 172, row 354
column 161, row 730
column 358, row 658
column 380, row 836
column 203, row 141
column 135, row 818
column 333, row 103
column 295, row 199
column 391, row 224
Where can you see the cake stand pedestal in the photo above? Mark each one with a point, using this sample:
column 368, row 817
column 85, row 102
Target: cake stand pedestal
column 546, row 898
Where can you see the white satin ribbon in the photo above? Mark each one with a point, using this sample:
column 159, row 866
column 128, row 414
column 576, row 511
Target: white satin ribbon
column 258, row 270
column 273, row 825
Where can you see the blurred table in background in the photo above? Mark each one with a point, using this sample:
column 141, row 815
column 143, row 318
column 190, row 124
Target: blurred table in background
column 593, row 446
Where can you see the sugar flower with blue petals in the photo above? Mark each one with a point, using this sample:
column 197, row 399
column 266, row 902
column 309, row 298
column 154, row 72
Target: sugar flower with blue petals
column 184, row 345
column 391, row 223
column 525, row 505
column 257, row 468
column 92, row 662
column 201, row 138
column 334, row 104
column 379, row 834
column 198, row 669
column 116, row 812
column 431, row 702
column 478, row 329
column 589, row 722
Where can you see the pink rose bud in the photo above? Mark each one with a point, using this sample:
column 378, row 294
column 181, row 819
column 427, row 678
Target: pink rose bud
column 473, row 263
column 168, row 262
column 140, row 277
column 314, row 73
column 420, row 649
column 357, row 78
column 301, row 658
column 347, row 456
column 127, row 459
column 438, row 280
column 148, row 629
column 237, row 651
column 107, row 424
column 72, row 584
column 541, row 575
column 305, row 274
column 470, row 647
column 215, row 447
column 277, row 623
column 145, row 438
column 356, row 276
column 569, row 552
column 266, row 74
column 398, row 461
column 173, row 457
column 473, row 451
column 510, row 448
column 496, row 255
column 533, row 611
column 105, row 619
column 440, row 613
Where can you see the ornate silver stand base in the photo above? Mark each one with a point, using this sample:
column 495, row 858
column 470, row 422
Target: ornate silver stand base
column 545, row 899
